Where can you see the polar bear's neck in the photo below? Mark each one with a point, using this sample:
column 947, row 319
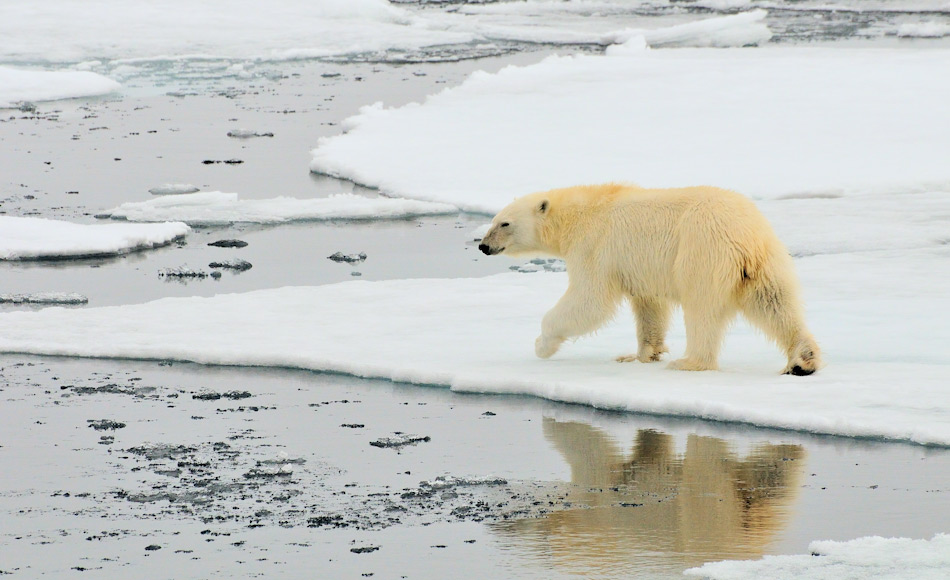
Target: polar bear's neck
column 567, row 226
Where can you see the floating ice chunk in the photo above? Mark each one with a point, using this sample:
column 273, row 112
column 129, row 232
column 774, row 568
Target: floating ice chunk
column 17, row 86
column 217, row 208
column 633, row 46
column 399, row 441
column 867, row 558
column 44, row 298
column 247, row 134
column 745, row 29
column 228, row 244
column 541, row 265
column 724, row 4
column 174, row 189
column 348, row 258
column 449, row 481
column 27, row 238
column 236, row 264
column 182, row 272
column 923, row 30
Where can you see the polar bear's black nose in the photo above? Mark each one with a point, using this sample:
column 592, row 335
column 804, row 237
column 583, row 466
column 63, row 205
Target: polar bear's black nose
column 485, row 249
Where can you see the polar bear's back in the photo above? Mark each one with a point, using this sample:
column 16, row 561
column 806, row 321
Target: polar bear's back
column 666, row 239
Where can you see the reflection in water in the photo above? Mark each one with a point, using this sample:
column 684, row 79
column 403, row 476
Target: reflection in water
column 654, row 511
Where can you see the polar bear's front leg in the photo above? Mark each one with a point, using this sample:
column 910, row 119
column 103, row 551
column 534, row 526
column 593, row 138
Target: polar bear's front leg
column 583, row 309
column 545, row 347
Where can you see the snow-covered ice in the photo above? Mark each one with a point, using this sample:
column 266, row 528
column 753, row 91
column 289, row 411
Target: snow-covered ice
column 28, row 238
column 219, row 208
column 248, row 133
column 279, row 29
column 115, row 32
column 877, row 316
column 173, row 189
column 746, row 29
column 44, row 298
column 923, row 30
column 870, row 558
column 19, row 86
column 766, row 122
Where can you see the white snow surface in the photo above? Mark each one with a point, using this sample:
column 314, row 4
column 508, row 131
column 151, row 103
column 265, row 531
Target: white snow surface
column 278, row 29
column 879, row 315
column 219, row 208
column 117, row 30
column 28, row 238
column 18, row 86
column 767, row 122
column 870, row 558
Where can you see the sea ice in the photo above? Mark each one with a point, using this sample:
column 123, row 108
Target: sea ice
column 923, row 30
column 118, row 36
column 217, row 208
column 347, row 258
column 248, row 133
column 174, row 189
column 477, row 335
column 183, row 272
column 44, row 298
column 870, row 558
column 116, row 30
column 28, row 238
column 17, row 86
column 767, row 122
column 235, row 264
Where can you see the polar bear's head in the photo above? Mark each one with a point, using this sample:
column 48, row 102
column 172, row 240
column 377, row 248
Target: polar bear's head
column 515, row 230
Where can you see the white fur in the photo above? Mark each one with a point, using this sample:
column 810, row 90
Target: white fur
column 706, row 249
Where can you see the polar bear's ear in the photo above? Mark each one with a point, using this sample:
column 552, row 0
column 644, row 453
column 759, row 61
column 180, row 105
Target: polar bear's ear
column 543, row 206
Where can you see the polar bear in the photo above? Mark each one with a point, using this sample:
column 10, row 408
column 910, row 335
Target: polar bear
column 706, row 249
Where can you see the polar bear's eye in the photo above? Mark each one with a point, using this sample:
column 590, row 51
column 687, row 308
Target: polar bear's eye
column 504, row 225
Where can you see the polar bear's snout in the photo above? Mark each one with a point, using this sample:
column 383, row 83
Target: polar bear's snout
column 488, row 250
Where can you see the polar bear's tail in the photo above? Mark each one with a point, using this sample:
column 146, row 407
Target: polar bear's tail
column 769, row 298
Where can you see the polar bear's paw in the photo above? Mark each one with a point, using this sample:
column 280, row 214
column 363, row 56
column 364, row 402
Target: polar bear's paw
column 647, row 355
column 545, row 346
column 687, row 364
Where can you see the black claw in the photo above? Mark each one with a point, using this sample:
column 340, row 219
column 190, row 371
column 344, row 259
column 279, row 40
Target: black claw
column 799, row 371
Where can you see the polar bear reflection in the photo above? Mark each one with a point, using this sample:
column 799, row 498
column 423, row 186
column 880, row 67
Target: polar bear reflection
column 659, row 510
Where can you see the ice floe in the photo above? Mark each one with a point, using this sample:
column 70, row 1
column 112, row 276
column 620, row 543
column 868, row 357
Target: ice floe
column 281, row 29
column 28, row 238
column 717, row 31
column 219, row 208
column 923, row 30
column 877, row 315
column 768, row 122
column 866, row 558
column 21, row 86
column 44, row 298
column 115, row 33
column 745, row 29
column 173, row 189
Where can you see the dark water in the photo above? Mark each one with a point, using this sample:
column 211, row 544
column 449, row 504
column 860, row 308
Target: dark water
column 274, row 473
